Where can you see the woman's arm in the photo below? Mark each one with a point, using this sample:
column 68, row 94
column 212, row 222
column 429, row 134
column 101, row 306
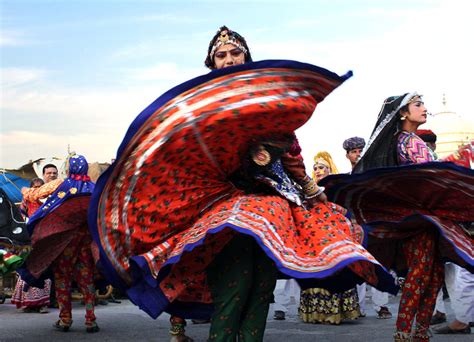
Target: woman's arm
column 415, row 150
column 294, row 165
column 35, row 194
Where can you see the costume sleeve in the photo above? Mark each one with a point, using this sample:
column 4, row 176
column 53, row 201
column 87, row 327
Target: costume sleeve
column 33, row 195
column 464, row 156
column 294, row 165
column 416, row 150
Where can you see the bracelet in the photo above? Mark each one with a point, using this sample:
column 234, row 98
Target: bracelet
column 306, row 180
column 317, row 193
column 309, row 186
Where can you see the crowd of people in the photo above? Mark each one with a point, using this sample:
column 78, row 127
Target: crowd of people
column 210, row 178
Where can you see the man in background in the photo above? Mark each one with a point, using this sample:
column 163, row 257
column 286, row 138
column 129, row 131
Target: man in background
column 354, row 147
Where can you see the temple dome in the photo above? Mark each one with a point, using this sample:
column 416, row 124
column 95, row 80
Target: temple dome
column 452, row 130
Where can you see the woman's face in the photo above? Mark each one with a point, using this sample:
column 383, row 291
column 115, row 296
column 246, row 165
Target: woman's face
column 320, row 171
column 417, row 112
column 228, row 55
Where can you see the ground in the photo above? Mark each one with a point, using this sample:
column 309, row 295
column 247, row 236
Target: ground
column 125, row 322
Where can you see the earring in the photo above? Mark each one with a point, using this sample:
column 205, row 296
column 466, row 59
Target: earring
column 402, row 118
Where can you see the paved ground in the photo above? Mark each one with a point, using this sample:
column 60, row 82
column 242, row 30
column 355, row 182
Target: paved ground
column 124, row 322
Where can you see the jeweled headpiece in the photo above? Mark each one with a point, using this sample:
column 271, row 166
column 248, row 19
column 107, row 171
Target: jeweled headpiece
column 321, row 161
column 324, row 158
column 226, row 36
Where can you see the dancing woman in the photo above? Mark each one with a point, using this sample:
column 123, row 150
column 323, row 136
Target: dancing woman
column 62, row 242
column 208, row 200
column 394, row 142
column 318, row 305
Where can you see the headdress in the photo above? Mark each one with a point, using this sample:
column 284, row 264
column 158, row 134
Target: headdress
column 353, row 143
column 381, row 151
column 226, row 36
column 325, row 159
column 426, row 135
column 78, row 183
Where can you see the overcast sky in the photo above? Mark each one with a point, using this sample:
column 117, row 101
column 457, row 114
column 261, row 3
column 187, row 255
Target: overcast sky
column 78, row 72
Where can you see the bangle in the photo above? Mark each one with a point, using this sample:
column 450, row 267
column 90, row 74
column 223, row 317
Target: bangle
column 317, row 193
column 307, row 180
column 309, row 186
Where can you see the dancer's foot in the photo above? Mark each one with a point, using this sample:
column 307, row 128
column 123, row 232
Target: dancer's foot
column 61, row 325
column 92, row 327
column 455, row 327
column 279, row 315
column 384, row 313
column 438, row 318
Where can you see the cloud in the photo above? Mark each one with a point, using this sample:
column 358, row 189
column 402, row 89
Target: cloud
column 163, row 72
column 34, row 145
column 427, row 51
column 163, row 44
column 382, row 12
column 75, row 108
column 40, row 117
column 11, row 38
column 169, row 18
column 14, row 77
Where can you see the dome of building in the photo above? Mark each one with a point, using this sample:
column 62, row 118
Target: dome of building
column 452, row 130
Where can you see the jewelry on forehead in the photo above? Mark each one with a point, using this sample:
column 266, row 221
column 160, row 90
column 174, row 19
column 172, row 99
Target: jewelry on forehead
column 414, row 99
column 321, row 161
column 226, row 38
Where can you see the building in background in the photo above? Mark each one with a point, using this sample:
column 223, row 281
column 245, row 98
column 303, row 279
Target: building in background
column 452, row 129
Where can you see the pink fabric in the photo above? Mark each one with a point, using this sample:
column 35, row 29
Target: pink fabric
column 413, row 150
column 32, row 298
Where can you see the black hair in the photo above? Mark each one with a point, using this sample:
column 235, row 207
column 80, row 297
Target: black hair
column 36, row 180
column 47, row 166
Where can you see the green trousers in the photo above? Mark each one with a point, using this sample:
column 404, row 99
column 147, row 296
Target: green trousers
column 242, row 279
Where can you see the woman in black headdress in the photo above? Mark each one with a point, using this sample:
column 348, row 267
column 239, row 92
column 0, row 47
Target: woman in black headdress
column 393, row 142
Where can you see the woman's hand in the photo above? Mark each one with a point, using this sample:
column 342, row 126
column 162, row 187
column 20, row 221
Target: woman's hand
column 323, row 198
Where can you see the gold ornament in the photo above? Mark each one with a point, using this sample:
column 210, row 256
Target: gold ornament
column 61, row 194
column 73, row 190
column 224, row 37
column 261, row 157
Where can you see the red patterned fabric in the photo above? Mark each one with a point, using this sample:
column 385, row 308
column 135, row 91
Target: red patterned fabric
column 33, row 297
column 75, row 263
column 56, row 230
column 464, row 156
column 403, row 201
column 167, row 203
column 422, row 284
column 304, row 241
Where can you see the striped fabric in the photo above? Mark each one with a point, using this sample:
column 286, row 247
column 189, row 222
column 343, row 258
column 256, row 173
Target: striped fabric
column 394, row 201
column 413, row 150
column 165, row 207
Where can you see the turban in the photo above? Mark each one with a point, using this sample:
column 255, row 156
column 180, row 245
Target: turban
column 352, row 143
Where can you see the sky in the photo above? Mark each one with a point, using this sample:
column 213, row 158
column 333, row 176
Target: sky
column 76, row 73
